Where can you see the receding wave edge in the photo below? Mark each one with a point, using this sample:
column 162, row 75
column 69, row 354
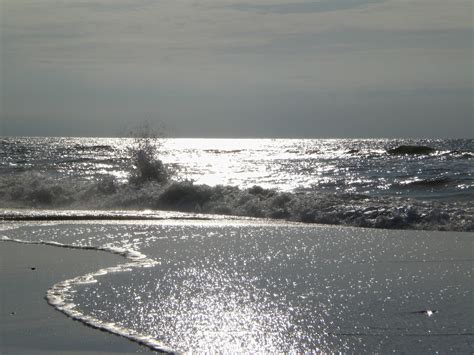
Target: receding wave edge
column 57, row 295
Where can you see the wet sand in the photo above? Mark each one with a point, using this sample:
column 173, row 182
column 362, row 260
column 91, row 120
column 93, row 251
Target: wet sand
column 28, row 324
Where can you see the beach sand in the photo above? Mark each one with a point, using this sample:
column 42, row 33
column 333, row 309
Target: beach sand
column 28, row 324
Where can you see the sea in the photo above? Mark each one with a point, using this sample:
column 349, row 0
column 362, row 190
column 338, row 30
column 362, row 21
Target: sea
column 255, row 245
column 353, row 182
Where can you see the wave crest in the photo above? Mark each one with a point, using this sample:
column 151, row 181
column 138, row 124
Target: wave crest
column 33, row 190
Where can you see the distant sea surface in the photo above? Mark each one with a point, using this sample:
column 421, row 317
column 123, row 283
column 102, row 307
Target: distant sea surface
column 358, row 182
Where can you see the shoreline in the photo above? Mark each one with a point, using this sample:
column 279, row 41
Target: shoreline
column 30, row 325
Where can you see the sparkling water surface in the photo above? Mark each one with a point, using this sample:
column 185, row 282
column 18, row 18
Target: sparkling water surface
column 335, row 165
column 267, row 287
column 355, row 182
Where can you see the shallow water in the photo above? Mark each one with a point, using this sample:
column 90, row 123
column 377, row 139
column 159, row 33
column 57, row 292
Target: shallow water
column 254, row 286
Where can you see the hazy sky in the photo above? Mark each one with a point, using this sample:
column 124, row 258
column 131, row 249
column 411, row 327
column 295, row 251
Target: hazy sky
column 232, row 68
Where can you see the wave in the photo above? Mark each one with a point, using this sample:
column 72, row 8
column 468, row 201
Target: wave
column 60, row 294
column 34, row 190
column 433, row 182
column 459, row 154
column 397, row 151
column 223, row 151
column 99, row 147
column 91, row 160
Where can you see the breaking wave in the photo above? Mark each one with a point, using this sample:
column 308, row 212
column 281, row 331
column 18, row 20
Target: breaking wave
column 36, row 190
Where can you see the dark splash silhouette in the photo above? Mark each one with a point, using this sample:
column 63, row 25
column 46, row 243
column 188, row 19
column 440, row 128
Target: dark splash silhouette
column 145, row 163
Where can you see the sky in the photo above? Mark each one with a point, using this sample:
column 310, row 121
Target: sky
column 237, row 68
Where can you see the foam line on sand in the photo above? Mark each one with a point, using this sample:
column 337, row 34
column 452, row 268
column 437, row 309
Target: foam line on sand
column 58, row 295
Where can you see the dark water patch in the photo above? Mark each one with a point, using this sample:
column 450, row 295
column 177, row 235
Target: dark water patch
column 84, row 160
column 439, row 182
column 411, row 149
column 98, row 147
column 75, row 160
column 223, row 151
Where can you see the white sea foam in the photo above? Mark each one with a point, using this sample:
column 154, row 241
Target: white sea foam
column 390, row 212
column 59, row 294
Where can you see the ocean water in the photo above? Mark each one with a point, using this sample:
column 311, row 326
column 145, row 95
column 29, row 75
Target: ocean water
column 355, row 182
column 196, row 278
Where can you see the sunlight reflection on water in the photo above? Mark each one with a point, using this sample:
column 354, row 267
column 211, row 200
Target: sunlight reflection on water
column 281, row 288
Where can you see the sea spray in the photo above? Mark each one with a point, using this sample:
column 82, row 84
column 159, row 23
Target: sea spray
column 144, row 156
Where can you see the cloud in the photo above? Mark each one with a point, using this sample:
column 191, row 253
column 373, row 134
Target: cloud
column 304, row 7
column 220, row 60
column 107, row 5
